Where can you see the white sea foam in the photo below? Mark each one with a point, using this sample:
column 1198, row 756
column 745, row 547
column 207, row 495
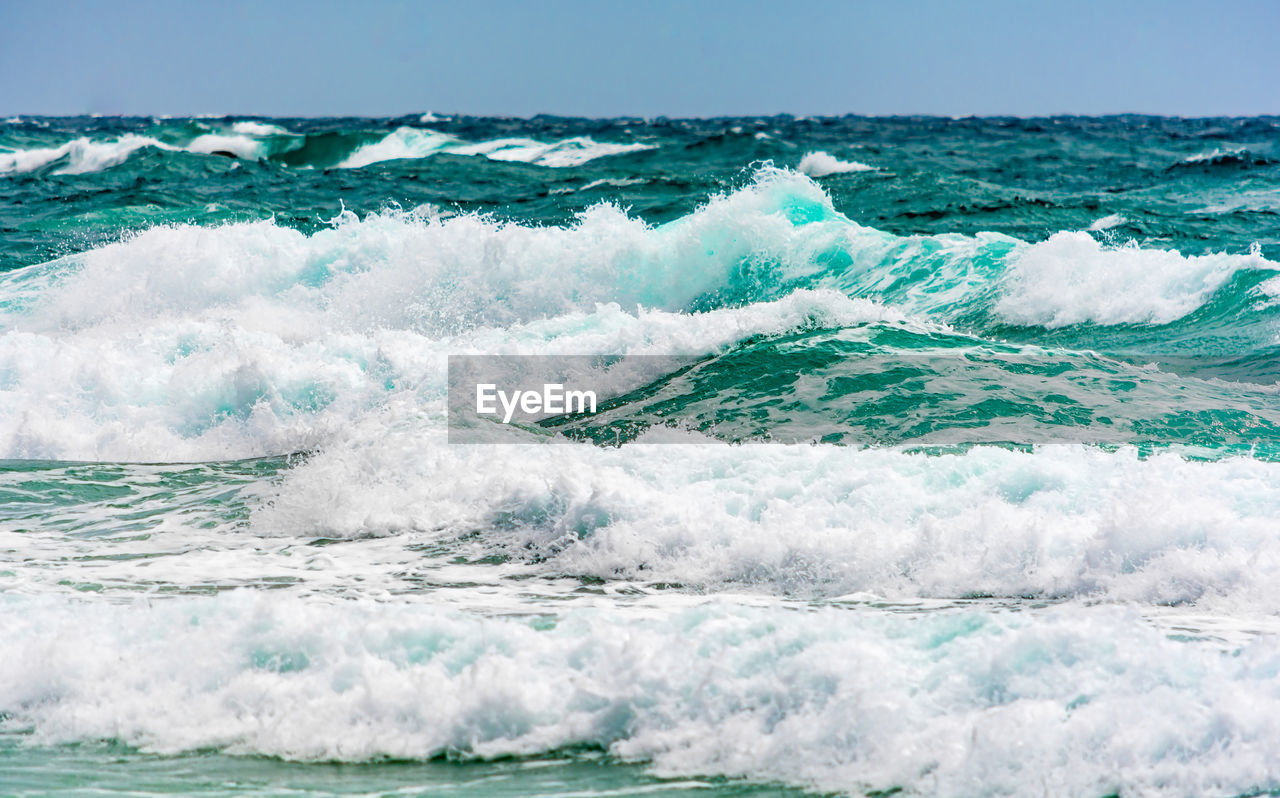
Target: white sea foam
column 1106, row 223
column 567, row 152
column 84, row 155
column 242, row 146
column 1093, row 700
column 613, row 182
column 250, row 128
column 820, row 164
column 1214, row 154
column 1072, row 279
column 406, row 142
column 246, row 140
column 250, row 339
column 1063, row 521
column 81, row 155
column 189, row 343
column 398, row 270
column 405, row 638
column 200, row 331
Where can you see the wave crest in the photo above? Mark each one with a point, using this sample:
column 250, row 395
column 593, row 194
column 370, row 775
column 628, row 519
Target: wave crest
column 406, row 142
column 253, row 338
column 820, row 164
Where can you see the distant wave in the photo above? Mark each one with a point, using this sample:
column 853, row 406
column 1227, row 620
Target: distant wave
column 83, row 155
column 257, row 140
column 820, row 164
column 1236, row 157
column 407, row 142
column 1106, row 223
column 250, row 128
column 79, row 155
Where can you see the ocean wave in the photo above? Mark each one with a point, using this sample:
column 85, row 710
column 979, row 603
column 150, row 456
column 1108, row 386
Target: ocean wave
column 567, row 152
column 251, row 381
column 813, row 521
column 81, row 155
column 820, row 164
column 439, row 276
column 241, row 146
column 85, row 155
column 1072, row 279
column 1237, row 157
column 830, row 699
column 674, row 508
column 253, row 339
column 240, row 522
column 406, row 142
column 257, row 140
column 251, row 128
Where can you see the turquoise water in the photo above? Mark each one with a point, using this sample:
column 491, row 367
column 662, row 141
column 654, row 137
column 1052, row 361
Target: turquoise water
column 98, row 769
column 970, row 487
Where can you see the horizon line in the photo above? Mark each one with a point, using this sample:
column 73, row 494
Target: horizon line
column 444, row 116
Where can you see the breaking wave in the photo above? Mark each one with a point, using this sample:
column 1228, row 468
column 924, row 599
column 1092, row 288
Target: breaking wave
column 257, row 140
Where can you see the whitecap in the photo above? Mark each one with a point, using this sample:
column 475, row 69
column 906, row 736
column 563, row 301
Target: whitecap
column 820, row 164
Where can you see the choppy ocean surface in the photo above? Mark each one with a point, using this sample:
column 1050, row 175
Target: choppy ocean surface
column 238, row 555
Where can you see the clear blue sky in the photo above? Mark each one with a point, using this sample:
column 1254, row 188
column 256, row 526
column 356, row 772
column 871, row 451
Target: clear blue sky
column 645, row 58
